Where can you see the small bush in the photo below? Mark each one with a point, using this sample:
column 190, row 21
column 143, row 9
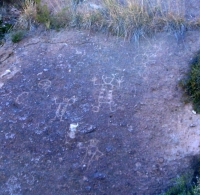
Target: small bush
column 183, row 186
column 131, row 19
column 93, row 20
column 17, row 36
column 4, row 28
column 43, row 15
column 187, row 184
column 27, row 18
column 176, row 25
column 61, row 18
column 191, row 84
column 180, row 187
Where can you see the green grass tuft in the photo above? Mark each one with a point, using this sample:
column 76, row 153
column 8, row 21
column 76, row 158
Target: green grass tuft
column 4, row 28
column 191, row 84
column 180, row 187
column 17, row 36
column 43, row 15
column 132, row 20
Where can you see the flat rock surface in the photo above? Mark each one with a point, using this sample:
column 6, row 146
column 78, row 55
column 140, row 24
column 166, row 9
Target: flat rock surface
column 94, row 115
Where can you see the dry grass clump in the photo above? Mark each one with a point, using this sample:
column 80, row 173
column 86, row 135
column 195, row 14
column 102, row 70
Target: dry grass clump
column 28, row 16
column 195, row 24
column 93, row 20
column 174, row 24
column 135, row 19
column 132, row 19
column 61, row 19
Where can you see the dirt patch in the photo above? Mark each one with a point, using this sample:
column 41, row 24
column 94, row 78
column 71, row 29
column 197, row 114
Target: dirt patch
column 92, row 115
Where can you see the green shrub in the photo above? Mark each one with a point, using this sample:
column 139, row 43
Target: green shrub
column 132, row 20
column 4, row 28
column 61, row 19
column 180, row 187
column 17, row 36
column 37, row 1
column 191, row 84
column 184, row 187
column 43, row 15
column 187, row 184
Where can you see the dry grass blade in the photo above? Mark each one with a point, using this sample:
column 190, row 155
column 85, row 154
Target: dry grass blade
column 131, row 19
column 28, row 16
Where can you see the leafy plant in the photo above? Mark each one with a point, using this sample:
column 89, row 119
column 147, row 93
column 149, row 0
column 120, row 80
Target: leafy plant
column 180, row 187
column 4, row 28
column 43, row 15
column 132, row 20
column 17, row 36
column 27, row 18
column 187, row 184
column 196, row 188
column 61, row 18
column 191, row 84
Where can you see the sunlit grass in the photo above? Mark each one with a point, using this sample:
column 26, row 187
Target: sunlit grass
column 132, row 19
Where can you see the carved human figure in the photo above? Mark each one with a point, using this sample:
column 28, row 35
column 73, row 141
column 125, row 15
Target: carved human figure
column 92, row 152
column 106, row 92
column 62, row 107
column 44, row 84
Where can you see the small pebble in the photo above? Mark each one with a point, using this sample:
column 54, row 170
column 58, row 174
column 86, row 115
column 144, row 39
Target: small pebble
column 88, row 188
column 161, row 160
column 194, row 112
column 99, row 175
column 138, row 165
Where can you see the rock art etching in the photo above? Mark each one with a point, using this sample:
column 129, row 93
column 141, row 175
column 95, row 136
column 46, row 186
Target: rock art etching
column 130, row 128
column 44, row 84
column 92, row 152
column 21, row 97
column 62, row 107
column 106, row 92
column 9, row 135
column 40, row 128
column 13, row 185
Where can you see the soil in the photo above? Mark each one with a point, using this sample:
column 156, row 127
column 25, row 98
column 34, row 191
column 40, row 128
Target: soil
column 92, row 115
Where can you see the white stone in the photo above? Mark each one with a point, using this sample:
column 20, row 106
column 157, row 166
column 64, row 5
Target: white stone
column 73, row 129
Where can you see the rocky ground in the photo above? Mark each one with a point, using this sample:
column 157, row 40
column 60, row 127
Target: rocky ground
column 90, row 114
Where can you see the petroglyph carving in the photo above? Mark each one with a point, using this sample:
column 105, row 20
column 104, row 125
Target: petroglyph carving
column 44, row 84
column 111, row 123
column 21, row 97
column 40, row 128
column 62, row 107
column 92, row 152
column 13, row 185
column 9, row 135
column 106, row 92
column 29, row 178
column 130, row 128
column 144, row 59
column 119, row 81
